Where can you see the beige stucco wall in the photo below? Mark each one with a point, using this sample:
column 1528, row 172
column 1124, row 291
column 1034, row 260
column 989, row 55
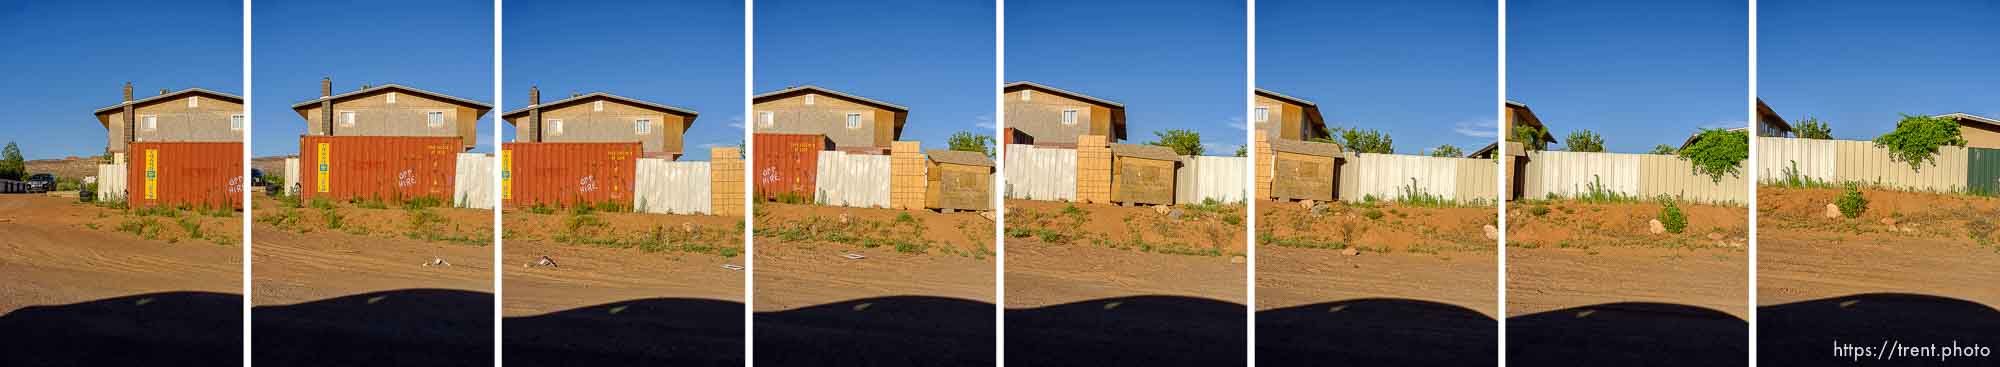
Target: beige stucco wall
column 1041, row 117
column 582, row 122
column 1289, row 118
column 1979, row 135
column 375, row 116
column 828, row 116
column 208, row 121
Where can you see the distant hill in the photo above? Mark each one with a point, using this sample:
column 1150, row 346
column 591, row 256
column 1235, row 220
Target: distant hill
column 66, row 168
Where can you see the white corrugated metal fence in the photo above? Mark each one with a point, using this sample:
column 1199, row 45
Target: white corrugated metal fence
column 855, row 180
column 472, row 187
column 1207, row 177
column 668, row 187
column 1036, row 173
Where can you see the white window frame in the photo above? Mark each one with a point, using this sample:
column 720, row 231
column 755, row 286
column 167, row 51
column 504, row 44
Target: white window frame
column 1069, row 116
column 434, row 118
column 1027, row 95
column 236, row 122
column 392, row 97
column 597, row 106
column 1263, row 114
column 149, row 122
column 766, row 119
column 642, row 126
column 194, row 102
column 853, row 120
column 555, row 126
column 809, row 99
column 346, row 118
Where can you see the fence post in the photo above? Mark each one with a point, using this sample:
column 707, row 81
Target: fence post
column 906, row 175
column 725, row 181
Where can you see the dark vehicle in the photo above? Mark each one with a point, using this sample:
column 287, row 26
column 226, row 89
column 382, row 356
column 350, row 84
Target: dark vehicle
column 41, row 183
column 257, row 177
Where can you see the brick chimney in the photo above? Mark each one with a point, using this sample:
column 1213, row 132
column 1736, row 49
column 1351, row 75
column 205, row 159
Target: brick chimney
column 534, row 114
column 131, row 122
column 326, row 105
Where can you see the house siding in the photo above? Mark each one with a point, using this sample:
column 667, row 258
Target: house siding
column 207, row 122
column 375, row 116
column 1289, row 118
column 1041, row 117
column 583, row 124
column 827, row 116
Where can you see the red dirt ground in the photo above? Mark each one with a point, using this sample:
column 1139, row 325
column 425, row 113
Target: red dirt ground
column 51, row 254
column 1056, row 256
column 799, row 250
column 1580, row 254
column 303, row 259
column 1432, row 254
column 595, row 273
column 1939, row 244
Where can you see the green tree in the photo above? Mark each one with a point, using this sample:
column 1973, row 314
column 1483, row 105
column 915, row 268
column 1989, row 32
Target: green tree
column 1717, row 152
column 1361, row 141
column 970, row 142
column 1242, row 150
column 1917, row 138
column 1812, row 128
column 1529, row 136
column 1183, row 142
column 1584, row 141
column 1662, row 149
column 1447, row 151
column 12, row 165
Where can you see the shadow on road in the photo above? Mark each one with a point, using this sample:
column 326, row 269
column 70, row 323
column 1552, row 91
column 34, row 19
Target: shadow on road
column 645, row 332
column 1628, row 334
column 1129, row 331
column 154, row 329
column 883, row 331
column 1376, row 332
column 1804, row 333
column 409, row 327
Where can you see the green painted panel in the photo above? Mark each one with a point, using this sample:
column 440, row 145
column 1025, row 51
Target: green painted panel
column 1982, row 170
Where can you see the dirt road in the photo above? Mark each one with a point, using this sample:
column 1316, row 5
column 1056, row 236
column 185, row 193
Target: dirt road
column 292, row 268
column 76, row 282
column 52, row 256
column 921, row 295
column 687, row 261
column 1041, row 274
column 1914, row 268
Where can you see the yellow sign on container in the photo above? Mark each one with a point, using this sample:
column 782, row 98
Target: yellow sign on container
column 325, row 170
column 152, row 174
column 507, row 174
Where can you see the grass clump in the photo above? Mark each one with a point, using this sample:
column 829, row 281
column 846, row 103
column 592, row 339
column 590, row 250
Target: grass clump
column 1851, row 203
column 1672, row 218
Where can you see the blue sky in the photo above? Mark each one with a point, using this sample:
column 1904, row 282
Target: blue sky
column 1175, row 64
column 1425, row 71
column 1858, row 65
column 935, row 57
column 692, row 59
column 64, row 61
column 1637, row 73
column 443, row 46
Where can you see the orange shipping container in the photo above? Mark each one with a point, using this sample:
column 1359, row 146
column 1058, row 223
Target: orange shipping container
column 378, row 167
column 564, row 174
column 208, row 175
column 787, row 163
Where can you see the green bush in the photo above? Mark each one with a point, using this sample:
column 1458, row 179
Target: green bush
column 1718, row 152
column 1672, row 218
column 1372, row 214
column 1917, row 138
column 1538, row 210
column 1851, row 203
